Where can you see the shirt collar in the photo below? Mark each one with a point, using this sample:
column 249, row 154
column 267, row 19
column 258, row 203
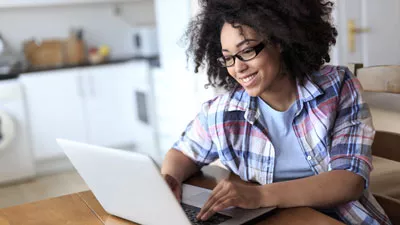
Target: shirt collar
column 241, row 101
column 309, row 90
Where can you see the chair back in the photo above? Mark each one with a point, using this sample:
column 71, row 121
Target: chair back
column 386, row 145
column 381, row 86
column 391, row 207
column 380, row 78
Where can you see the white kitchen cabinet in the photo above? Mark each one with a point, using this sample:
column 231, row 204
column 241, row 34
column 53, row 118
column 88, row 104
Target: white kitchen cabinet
column 40, row 3
column 110, row 102
column 93, row 104
column 55, row 109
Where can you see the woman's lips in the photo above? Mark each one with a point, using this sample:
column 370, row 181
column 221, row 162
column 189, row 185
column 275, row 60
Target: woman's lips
column 248, row 80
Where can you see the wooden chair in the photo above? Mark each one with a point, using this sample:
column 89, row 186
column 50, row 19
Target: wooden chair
column 391, row 207
column 386, row 145
column 381, row 86
column 380, row 78
column 385, row 178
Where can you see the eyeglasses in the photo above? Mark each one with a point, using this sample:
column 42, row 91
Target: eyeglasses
column 244, row 55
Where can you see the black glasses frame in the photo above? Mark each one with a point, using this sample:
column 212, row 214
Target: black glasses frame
column 257, row 49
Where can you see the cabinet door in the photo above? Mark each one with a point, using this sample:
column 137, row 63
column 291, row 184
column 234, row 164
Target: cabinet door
column 54, row 102
column 110, row 104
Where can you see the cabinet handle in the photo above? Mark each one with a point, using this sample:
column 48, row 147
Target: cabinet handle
column 79, row 87
column 92, row 87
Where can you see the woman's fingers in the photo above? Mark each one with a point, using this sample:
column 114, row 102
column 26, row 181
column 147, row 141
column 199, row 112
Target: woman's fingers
column 223, row 203
column 221, row 191
column 210, row 202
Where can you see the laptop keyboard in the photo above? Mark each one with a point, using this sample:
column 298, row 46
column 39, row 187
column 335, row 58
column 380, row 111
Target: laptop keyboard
column 192, row 211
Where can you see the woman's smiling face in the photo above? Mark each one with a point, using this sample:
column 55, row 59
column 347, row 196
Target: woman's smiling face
column 258, row 75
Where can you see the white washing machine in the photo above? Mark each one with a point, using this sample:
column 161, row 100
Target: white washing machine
column 16, row 157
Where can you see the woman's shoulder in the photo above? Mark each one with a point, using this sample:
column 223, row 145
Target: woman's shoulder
column 333, row 71
column 332, row 75
column 236, row 99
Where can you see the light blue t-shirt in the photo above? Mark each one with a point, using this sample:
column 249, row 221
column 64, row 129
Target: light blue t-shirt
column 290, row 162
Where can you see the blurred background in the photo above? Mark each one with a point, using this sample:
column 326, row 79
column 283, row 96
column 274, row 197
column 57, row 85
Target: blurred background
column 114, row 73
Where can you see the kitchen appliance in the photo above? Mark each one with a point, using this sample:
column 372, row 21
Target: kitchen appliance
column 143, row 41
column 2, row 45
column 8, row 60
column 16, row 157
column 8, row 63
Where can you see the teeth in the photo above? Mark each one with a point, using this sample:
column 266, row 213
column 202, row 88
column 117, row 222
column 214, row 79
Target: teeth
column 247, row 79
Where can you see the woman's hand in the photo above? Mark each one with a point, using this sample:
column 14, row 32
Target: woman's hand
column 227, row 194
column 175, row 186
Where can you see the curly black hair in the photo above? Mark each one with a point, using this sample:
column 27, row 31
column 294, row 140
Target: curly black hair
column 303, row 29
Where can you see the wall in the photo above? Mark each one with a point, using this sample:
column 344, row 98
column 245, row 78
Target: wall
column 100, row 23
column 178, row 91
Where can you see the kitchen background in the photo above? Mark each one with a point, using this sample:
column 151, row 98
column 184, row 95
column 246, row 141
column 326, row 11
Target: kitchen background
column 96, row 71
column 106, row 72
column 106, row 23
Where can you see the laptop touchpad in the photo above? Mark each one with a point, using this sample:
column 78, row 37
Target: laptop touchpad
column 199, row 199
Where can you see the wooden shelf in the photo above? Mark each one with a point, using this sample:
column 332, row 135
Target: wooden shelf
column 383, row 100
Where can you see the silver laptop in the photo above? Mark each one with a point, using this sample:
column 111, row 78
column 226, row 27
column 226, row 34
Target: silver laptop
column 129, row 185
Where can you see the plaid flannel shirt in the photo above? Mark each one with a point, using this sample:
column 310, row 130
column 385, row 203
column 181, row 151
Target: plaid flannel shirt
column 333, row 126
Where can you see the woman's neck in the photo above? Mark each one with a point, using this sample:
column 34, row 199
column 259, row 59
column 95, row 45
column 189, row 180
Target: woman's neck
column 281, row 94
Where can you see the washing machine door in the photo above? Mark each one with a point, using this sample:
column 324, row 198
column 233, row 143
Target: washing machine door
column 7, row 131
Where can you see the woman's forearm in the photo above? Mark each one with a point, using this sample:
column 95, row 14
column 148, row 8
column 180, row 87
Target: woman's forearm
column 178, row 165
column 324, row 190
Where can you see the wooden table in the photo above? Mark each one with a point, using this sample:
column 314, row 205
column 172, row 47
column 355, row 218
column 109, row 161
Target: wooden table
column 84, row 209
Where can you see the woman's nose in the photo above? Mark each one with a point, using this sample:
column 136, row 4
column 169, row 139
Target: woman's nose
column 240, row 66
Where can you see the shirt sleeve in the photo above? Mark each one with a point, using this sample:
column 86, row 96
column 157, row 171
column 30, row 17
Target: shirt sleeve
column 196, row 142
column 353, row 132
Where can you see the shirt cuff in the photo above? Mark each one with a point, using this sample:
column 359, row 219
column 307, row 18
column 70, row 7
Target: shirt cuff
column 194, row 155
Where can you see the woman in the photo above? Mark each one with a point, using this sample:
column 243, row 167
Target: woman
column 298, row 128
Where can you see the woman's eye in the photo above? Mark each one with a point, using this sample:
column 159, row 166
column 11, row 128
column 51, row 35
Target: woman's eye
column 227, row 58
column 248, row 50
